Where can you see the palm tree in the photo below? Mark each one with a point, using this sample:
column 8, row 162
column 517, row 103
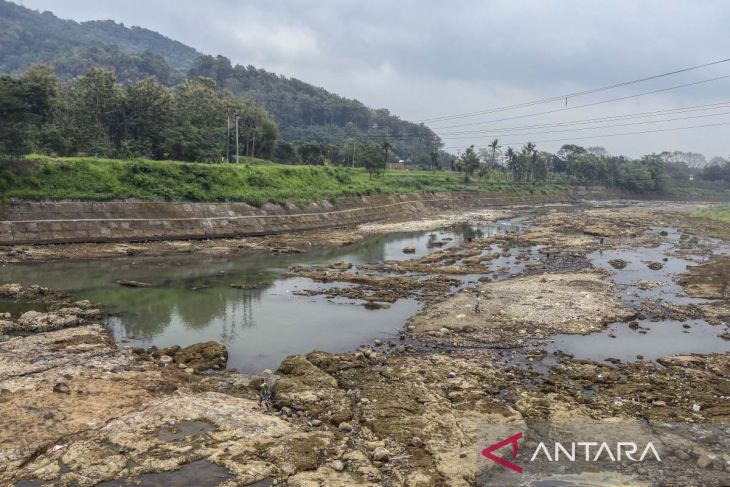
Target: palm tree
column 511, row 161
column 530, row 155
column 494, row 145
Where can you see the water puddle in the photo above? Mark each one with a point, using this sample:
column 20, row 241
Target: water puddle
column 636, row 283
column 16, row 308
column 197, row 474
column 660, row 338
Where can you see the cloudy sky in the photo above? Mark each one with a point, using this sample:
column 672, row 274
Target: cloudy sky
column 426, row 59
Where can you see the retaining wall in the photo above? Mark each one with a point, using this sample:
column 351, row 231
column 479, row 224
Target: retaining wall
column 24, row 222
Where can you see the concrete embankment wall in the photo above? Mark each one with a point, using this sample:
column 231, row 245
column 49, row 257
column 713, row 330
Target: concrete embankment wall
column 25, row 222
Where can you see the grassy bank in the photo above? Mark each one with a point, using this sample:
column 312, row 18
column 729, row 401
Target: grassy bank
column 253, row 181
column 719, row 214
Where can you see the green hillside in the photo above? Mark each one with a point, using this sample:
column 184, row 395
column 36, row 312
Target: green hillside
column 304, row 113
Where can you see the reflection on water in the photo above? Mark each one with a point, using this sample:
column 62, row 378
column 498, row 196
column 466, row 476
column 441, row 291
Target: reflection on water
column 260, row 323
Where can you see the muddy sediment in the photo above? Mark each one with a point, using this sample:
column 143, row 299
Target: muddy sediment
column 79, row 409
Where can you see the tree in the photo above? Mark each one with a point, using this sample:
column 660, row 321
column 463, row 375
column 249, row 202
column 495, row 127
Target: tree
column 512, row 162
column 285, row 153
column 434, row 159
column 24, row 108
column 494, row 145
column 528, row 160
column 147, row 117
column 597, row 151
column 312, row 153
column 371, row 158
column 386, row 147
column 95, row 107
column 469, row 162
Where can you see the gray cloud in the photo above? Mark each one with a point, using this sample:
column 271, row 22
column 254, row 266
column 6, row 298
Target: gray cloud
column 426, row 58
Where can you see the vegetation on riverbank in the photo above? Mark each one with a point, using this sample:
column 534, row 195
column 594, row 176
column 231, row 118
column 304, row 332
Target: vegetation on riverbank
column 254, row 181
column 720, row 214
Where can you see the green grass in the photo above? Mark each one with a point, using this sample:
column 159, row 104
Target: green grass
column 720, row 214
column 253, row 181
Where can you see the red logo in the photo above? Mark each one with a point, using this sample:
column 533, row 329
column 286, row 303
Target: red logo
column 487, row 452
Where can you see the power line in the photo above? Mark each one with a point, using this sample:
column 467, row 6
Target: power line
column 588, row 121
column 491, row 135
column 575, row 107
column 611, row 135
column 672, row 111
column 572, row 95
column 559, row 110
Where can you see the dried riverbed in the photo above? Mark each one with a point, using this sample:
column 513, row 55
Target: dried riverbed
column 556, row 292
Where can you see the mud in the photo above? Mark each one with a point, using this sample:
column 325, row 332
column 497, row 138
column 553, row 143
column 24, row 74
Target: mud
column 79, row 409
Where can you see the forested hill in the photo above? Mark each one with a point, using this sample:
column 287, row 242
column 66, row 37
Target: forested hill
column 305, row 113
column 28, row 37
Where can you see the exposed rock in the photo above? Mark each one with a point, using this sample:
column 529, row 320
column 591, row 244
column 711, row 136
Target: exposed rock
column 381, row 454
column 409, row 250
column 248, row 285
column 203, row 356
column 131, row 283
column 514, row 309
column 647, row 284
column 655, row 266
column 62, row 388
column 618, row 263
column 704, row 461
column 710, row 280
column 36, row 321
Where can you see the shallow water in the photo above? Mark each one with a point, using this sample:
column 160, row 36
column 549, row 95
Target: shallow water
column 258, row 326
column 197, row 474
column 654, row 338
column 668, row 337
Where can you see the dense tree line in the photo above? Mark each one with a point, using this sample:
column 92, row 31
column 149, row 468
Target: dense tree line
column 94, row 114
column 371, row 156
column 592, row 165
column 305, row 113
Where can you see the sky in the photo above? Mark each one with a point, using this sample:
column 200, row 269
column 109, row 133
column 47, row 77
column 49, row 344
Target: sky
column 425, row 59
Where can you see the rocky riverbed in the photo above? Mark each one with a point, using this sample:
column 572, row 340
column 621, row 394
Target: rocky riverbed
column 78, row 409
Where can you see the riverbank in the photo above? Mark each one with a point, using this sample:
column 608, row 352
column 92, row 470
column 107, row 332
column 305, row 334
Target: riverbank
column 407, row 410
column 90, row 230
column 254, row 182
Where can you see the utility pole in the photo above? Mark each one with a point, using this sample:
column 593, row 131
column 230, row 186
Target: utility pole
column 237, row 118
column 353, row 152
column 253, row 144
column 228, row 136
